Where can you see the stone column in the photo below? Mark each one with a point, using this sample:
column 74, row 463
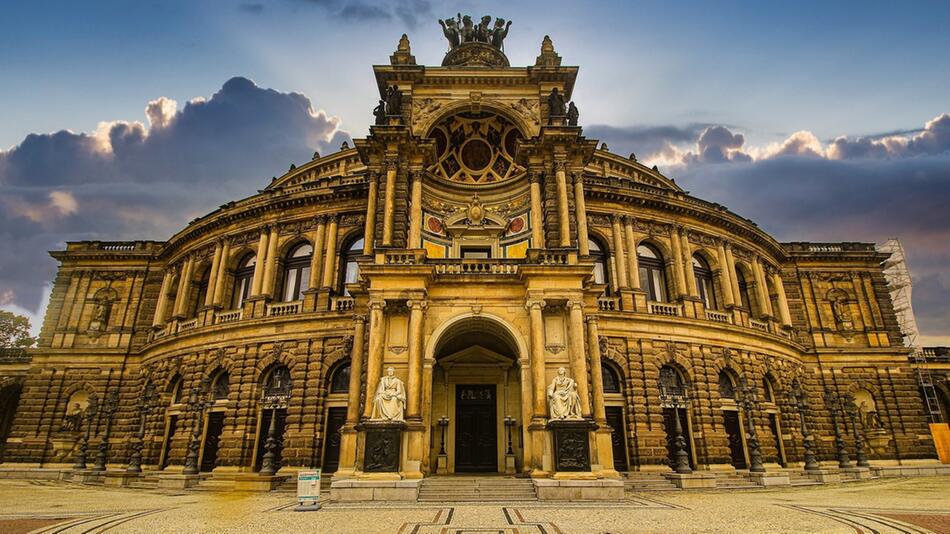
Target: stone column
column 356, row 370
column 222, row 277
column 374, row 360
column 678, row 282
column 564, row 214
column 784, row 315
column 762, row 290
column 618, row 253
column 162, row 304
column 259, row 263
column 537, row 217
column 213, row 274
column 316, row 261
column 725, row 276
column 539, row 400
column 731, row 264
column 329, row 263
column 580, row 208
column 413, row 388
column 369, row 231
column 596, row 370
column 184, row 288
column 688, row 264
column 391, row 166
column 578, row 355
column 415, row 212
column 270, row 270
column 632, row 263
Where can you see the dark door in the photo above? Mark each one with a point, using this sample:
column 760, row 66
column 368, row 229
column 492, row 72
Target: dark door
column 734, row 433
column 331, row 453
column 773, row 424
column 669, row 425
column 209, row 456
column 617, row 438
column 475, row 431
column 278, row 433
column 167, row 449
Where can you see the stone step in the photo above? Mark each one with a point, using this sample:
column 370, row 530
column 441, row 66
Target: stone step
column 447, row 489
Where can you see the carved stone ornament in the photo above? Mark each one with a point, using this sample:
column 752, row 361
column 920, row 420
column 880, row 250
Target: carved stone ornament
column 389, row 403
column 382, row 449
column 475, row 54
column 563, row 400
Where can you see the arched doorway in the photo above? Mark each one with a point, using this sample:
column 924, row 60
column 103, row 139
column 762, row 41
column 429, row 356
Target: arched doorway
column 476, row 412
column 9, row 400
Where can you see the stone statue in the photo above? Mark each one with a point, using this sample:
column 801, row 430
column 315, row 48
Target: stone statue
column 556, row 107
column 403, row 45
column 482, row 33
column 73, row 420
column 499, row 33
column 390, row 400
column 467, row 30
column 380, row 113
column 393, row 100
column 563, row 399
column 842, row 314
column 572, row 114
column 451, row 31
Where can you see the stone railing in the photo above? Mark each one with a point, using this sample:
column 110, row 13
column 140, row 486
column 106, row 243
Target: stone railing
column 342, row 304
column 404, row 257
column 664, row 308
column 477, row 267
column 228, row 316
column 120, row 247
column 190, row 324
column 608, row 303
column 279, row 309
column 718, row 316
column 759, row 325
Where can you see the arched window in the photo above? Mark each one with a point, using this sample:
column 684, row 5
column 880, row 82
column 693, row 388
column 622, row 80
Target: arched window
column 769, row 389
column 242, row 280
column 743, row 290
column 222, row 386
column 277, row 383
column 176, row 390
column 727, row 388
column 351, row 270
column 297, row 272
column 340, row 379
column 599, row 254
column 611, row 380
column 652, row 276
column 671, row 382
column 202, row 291
column 704, row 282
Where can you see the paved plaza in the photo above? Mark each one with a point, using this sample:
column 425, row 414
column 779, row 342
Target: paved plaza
column 913, row 505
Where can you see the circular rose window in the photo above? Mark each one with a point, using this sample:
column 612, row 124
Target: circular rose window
column 476, row 148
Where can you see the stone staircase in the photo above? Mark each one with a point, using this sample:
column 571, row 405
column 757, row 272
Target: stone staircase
column 487, row 488
column 640, row 481
column 735, row 481
column 798, row 478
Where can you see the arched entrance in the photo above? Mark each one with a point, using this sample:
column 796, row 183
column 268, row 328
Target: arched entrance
column 476, row 410
column 9, row 400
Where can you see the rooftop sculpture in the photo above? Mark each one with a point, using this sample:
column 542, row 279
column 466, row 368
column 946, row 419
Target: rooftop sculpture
column 462, row 30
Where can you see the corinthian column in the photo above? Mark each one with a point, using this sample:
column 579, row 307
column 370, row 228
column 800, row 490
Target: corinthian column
column 415, row 213
column 725, row 276
column 596, row 369
column 618, row 252
column 270, row 270
column 539, row 400
column 259, row 263
column 184, row 288
column 356, row 370
column 688, row 264
column 391, row 166
column 316, row 260
column 414, row 389
column 731, row 265
column 537, row 217
column 374, row 360
column 632, row 261
column 222, row 277
column 784, row 315
column 369, row 231
column 162, row 304
column 213, row 274
column 678, row 281
column 329, row 263
column 563, row 211
column 578, row 357
column 762, row 290
column 580, row 208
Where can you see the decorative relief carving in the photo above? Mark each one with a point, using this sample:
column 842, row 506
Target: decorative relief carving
column 653, row 228
column 423, row 109
column 529, row 110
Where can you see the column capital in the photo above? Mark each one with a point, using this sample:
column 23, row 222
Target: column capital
column 616, row 218
column 391, row 163
column 592, row 320
column 359, row 319
column 560, row 164
column 417, row 304
column 574, row 304
column 534, row 177
column 628, row 220
column 377, row 303
column 533, row 303
column 320, row 219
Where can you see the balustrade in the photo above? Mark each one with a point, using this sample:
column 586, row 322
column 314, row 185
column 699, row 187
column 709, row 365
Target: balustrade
column 229, row 316
column 608, row 303
column 664, row 308
column 342, row 304
column 476, row 267
column 718, row 316
column 279, row 309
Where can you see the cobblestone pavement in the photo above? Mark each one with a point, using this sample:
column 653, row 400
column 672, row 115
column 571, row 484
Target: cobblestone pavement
column 883, row 506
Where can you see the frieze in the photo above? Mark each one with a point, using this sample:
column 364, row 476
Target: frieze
column 598, row 220
column 423, row 109
column 653, row 228
column 528, row 109
column 110, row 276
column 352, row 219
column 701, row 239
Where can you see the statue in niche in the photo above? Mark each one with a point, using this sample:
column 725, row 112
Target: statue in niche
column 572, row 114
column 841, row 310
column 499, row 32
column 556, row 106
column 100, row 314
column 390, row 401
column 72, row 422
column 393, row 100
column 563, row 399
column 451, row 31
column 380, row 113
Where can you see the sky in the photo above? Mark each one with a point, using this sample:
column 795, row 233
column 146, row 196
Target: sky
column 820, row 121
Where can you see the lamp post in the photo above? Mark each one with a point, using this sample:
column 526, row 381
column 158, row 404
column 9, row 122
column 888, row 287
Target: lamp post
column 509, row 423
column 833, row 401
column 145, row 406
column 750, row 400
column 269, row 463
column 443, row 424
column 88, row 415
column 196, row 404
column 676, row 398
column 800, row 400
column 108, row 409
column 860, row 455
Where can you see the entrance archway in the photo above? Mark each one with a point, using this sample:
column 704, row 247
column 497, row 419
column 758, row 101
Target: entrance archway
column 476, row 393
column 9, row 400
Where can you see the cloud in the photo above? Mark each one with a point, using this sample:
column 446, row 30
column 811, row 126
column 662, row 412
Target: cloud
column 129, row 180
column 251, row 8
column 644, row 140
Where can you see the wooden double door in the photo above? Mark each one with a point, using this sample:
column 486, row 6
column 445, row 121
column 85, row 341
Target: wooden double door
column 476, row 430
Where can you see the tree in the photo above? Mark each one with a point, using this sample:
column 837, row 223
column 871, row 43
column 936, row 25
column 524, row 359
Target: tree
column 14, row 331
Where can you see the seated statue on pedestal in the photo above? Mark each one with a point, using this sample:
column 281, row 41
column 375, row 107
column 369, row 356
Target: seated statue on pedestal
column 563, row 399
column 389, row 402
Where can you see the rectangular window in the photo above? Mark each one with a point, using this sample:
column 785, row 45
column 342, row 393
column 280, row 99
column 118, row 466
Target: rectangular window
column 476, row 253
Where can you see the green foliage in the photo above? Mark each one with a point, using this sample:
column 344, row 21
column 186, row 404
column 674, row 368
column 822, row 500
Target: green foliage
column 14, row 331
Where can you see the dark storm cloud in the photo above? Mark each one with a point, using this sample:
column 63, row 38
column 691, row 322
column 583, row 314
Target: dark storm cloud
column 131, row 181
column 643, row 140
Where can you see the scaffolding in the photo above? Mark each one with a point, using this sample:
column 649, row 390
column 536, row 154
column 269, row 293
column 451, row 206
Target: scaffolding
column 900, row 286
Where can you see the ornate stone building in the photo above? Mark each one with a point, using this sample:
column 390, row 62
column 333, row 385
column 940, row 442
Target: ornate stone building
column 475, row 242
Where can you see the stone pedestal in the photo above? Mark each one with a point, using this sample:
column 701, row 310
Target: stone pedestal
column 692, row 480
column 121, row 479
column 572, row 444
column 770, row 479
column 579, row 490
column 825, row 476
column 353, row 490
column 382, row 446
column 177, row 481
column 256, row 482
column 442, row 464
column 510, row 465
column 88, row 476
column 856, row 473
